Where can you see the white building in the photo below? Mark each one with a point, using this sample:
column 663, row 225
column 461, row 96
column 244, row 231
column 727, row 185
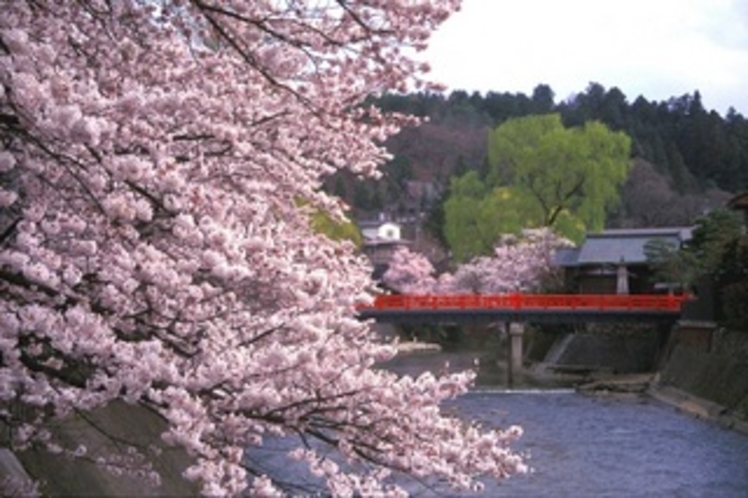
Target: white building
column 381, row 240
column 381, row 230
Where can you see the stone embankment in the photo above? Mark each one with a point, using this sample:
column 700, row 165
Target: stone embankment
column 699, row 407
column 707, row 382
column 618, row 385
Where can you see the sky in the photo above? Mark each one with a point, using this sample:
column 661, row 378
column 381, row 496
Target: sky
column 655, row 48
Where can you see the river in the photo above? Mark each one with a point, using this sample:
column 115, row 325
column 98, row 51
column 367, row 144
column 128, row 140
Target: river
column 583, row 446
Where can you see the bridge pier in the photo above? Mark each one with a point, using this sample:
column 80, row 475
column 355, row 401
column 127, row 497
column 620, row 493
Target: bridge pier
column 514, row 364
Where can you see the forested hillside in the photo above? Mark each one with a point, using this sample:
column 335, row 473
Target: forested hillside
column 685, row 159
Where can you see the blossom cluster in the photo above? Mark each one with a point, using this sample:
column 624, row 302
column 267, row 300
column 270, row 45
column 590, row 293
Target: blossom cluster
column 152, row 248
column 409, row 272
column 520, row 263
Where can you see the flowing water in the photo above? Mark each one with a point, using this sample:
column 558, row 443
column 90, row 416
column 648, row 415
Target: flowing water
column 581, row 446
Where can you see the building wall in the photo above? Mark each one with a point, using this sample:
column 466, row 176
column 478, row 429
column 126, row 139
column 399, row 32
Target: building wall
column 591, row 280
column 386, row 230
column 389, row 231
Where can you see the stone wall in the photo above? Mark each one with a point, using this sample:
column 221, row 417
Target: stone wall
column 627, row 348
column 718, row 376
column 700, row 369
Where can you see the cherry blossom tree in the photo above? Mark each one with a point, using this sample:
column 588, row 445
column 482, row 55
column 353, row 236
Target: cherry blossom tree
column 519, row 264
column 154, row 249
column 409, row 272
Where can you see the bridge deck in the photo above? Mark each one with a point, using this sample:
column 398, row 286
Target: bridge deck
column 543, row 308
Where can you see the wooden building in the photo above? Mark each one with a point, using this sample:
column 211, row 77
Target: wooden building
column 614, row 261
column 382, row 238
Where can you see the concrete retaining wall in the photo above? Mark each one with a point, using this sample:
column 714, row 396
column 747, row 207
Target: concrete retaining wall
column 716, row 378
column 701, row 370
column 615, row 349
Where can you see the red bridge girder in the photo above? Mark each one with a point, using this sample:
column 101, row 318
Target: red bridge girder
column 568, row 302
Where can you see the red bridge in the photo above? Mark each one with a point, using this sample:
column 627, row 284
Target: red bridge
column 540, row 308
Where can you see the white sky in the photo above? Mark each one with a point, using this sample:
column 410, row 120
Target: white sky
column 655, row 48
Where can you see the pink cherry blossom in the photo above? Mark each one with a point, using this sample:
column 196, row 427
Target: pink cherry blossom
column 520, row 264
column 153, row 249
column 409, row 272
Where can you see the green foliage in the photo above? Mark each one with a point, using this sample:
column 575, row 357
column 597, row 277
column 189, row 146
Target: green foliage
column 541, row 174
column 511, row 211
column 671, row 265
column 468, row 185
column 717, row 251
column 466, row 229
column 695, row 150
column 475, row 216
column 702, row 256
column 336, row 230
column 731, row 278
column 576, row 171
column 711, row 237
column 570, row 226
column 322, row 223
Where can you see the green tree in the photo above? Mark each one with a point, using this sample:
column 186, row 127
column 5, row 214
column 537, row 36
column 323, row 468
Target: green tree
column 712, row 235
column 672, row 266
column 573, row 174
column 704, row 255
column 466, row 230
column 336, row 230
column 717, row 254
column 542, row 99
column 731, row 277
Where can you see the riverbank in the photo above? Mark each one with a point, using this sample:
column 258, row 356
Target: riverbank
column 698, row 407
column 710, row 384
column 618, row 385
column 708, row 379
column 413, row 359
column 650, row 386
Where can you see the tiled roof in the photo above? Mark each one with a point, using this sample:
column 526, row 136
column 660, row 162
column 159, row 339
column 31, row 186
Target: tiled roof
column 621, row 245
column 566, row 256
column 375, row 223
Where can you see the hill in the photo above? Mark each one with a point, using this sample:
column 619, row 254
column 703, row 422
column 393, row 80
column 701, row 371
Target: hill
column 685, row 159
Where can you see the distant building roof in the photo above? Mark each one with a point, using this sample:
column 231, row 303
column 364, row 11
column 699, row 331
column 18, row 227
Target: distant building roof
column 376, row 223
column 620, row 245
column 739, row 202
column 566, row 256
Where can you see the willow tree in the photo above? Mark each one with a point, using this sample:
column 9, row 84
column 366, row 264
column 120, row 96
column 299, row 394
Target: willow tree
column 463, row 228
column 475, row 216
column 568, row 178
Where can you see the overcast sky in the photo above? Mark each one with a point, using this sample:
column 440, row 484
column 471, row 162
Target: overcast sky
column 655, row 48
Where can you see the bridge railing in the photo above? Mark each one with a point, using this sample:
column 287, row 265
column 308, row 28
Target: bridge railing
column 602, row 302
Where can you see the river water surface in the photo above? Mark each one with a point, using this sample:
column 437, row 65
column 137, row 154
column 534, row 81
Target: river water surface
column 591, row 446
column 582, row 446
